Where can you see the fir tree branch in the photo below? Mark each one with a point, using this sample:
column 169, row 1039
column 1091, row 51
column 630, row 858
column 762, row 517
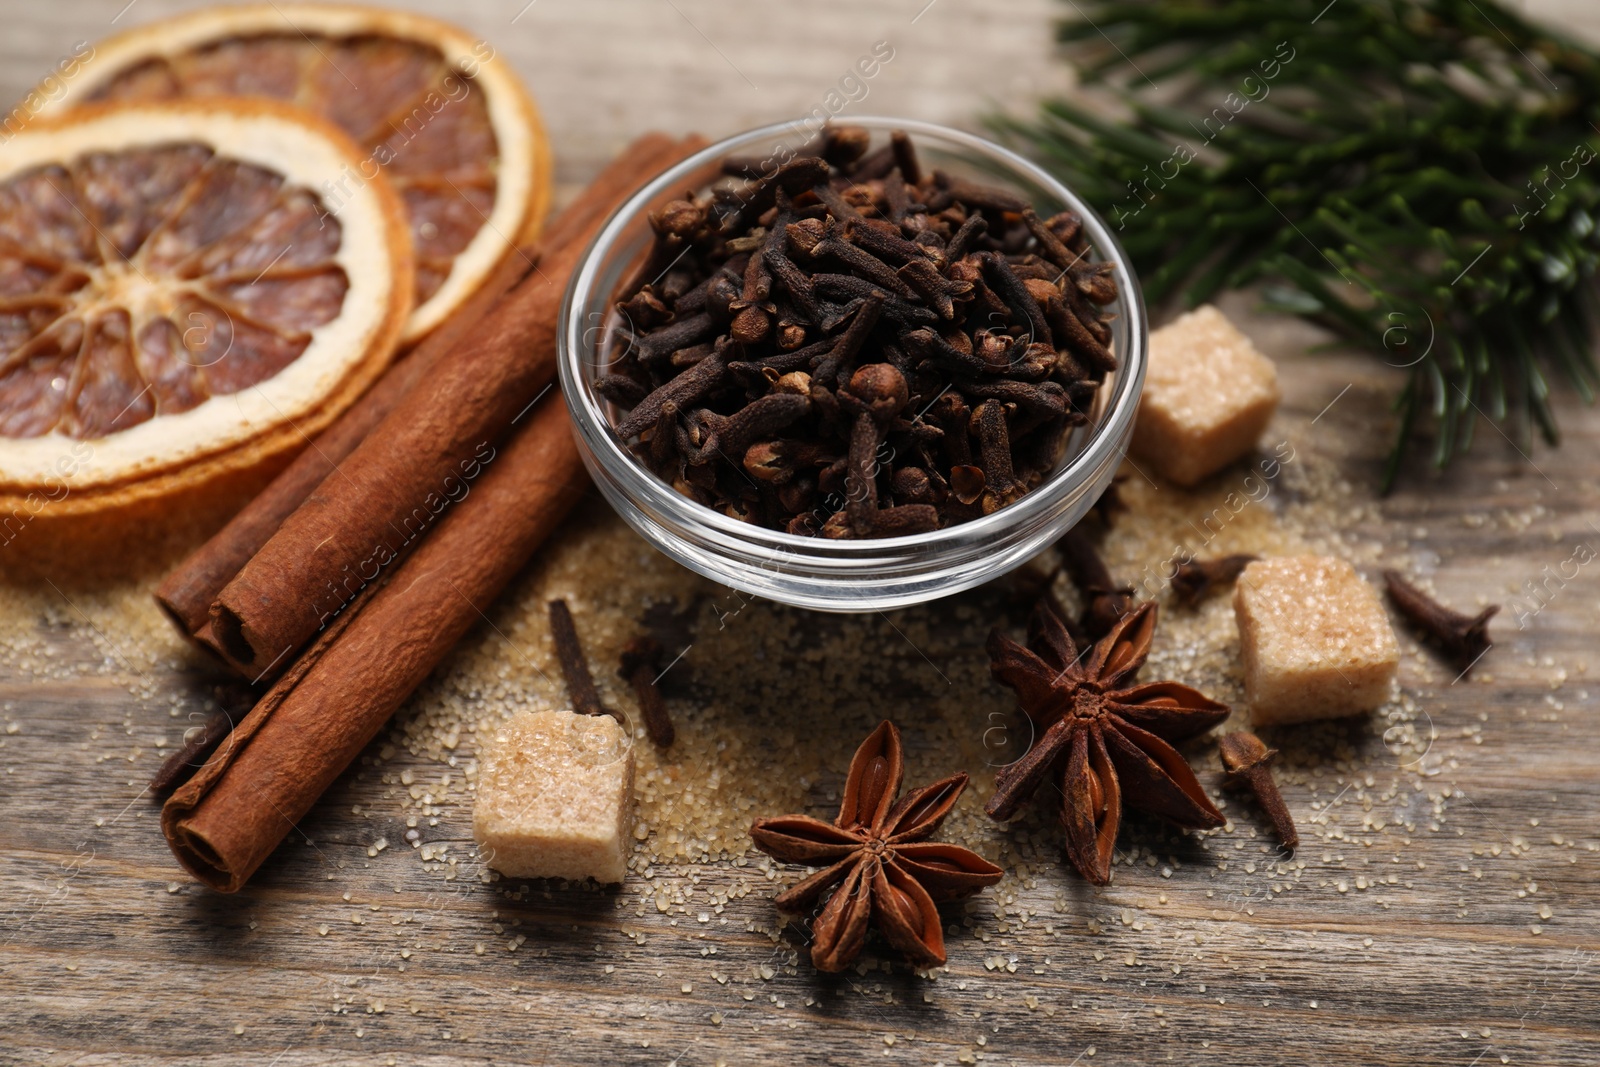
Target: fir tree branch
column 1420, row 176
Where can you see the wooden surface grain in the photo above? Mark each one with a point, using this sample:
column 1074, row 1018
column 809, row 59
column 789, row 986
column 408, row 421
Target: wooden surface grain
column 1453, row 922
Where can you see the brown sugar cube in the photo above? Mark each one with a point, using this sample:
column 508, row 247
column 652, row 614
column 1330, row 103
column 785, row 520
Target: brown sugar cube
column 1208, row 394
column 1315, row 639
column 555, row 797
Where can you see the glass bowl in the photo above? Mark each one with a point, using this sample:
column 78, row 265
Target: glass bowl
column 814, row 572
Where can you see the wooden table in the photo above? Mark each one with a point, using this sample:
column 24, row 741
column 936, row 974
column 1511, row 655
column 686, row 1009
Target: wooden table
column 1450, row 919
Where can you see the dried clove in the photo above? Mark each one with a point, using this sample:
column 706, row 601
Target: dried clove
column 686, row 389
column 1194, row 579
column 1107, row 602
column 965, row 237
column 864, row 264
column 728, row 436
column 1462, row 638
column 1015, row 292
column 574, row 665
column 994, row 443
column 849, row 344
column 979, row 319
column 974, row 195
column 883, row 240
column 233, row 703
column 1050, row 245
column 1031, row 590
column 621, row 389
column 661, row 343
column 876, row 394
column 1246, row 760
column 905, row 157
column 641, row 667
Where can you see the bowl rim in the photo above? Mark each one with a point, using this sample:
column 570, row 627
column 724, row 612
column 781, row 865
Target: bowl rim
column 589, row 419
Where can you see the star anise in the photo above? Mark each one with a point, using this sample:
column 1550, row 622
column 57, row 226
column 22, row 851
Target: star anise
column 1106, row 738
column 888, row 874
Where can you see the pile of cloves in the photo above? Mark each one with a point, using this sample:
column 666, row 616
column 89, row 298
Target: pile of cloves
column 847, row 345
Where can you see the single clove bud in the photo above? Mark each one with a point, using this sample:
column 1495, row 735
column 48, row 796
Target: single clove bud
column 964, row 238
column 1195, row 578
column 902, row 521
column 1047, row 601
column 876, row 393
column 865, row 265
column 730, row 435
column 845, row 349
column 681, row 218
column 685, row 390
column 233, row 703
column 574, row 665
column 1014, row 291
column 752, row 314
column 641, row 666
column 974, row 194
column 883, row 240
column 1462, row 638
column 911, row 485
column 621, row 389
column 661, row 343
column 1052, row 247
column 1247, row 761
column 988, row 425
column 905, row 157
column 1106, row 601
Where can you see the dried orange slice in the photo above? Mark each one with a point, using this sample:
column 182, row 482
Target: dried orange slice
column 176, row 299
column 439, row 114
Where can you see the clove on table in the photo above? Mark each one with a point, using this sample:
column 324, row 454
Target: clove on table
column 1105, row 602
column 1462, row 638
column 1194, row 579
column 641, row 667
column 234, row 701
column 1246, row 759
column 574, row 664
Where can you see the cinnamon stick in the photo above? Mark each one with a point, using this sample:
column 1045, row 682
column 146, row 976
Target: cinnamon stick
column 186, row 595
column 410, row 468
column 315, row 720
